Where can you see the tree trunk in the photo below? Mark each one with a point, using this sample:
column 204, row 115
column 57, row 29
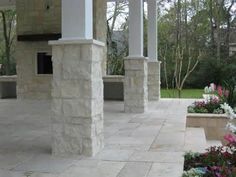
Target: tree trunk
column 228, row 27
column 7, row 43
column 212, row 25
column 179, row 92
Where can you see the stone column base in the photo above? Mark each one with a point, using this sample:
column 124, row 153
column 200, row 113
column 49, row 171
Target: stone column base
column 135, row 85
column 77, row 98
column 154, row 83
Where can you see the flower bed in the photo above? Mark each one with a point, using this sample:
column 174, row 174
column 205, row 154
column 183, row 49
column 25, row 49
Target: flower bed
column 215, row 162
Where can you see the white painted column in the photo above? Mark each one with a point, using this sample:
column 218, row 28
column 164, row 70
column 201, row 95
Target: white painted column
column 135, row 28
column 152, row 30
column 135, row 84
column 153, row 63
column 77, row 19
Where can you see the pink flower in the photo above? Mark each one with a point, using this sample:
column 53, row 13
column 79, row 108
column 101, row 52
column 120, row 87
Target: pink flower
column 230, row 138
column 226, row 93
column 220, row 91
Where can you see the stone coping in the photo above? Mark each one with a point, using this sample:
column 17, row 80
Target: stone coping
column 113, row 78
column 12, row 78
column 76, row 41
column 136, row 58
column 153, row 61
column 206, row 115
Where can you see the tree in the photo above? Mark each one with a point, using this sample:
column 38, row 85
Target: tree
column 179, row 59
column 9, row 26
column 115, row 57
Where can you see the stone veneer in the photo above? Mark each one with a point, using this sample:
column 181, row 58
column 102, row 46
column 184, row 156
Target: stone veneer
column 44, row 17
column 154, row 83
column 77, row 103
column 29, row 84
column 135, row 85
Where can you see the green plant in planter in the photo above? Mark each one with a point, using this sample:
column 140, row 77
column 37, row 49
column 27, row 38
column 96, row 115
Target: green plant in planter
column 194, row 172
column 230, row 85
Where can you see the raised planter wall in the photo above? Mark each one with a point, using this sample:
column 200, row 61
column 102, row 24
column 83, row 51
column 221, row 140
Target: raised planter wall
column 8, row 86
column 213, row 124
column 113, row 87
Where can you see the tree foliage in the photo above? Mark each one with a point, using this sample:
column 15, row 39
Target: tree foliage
column 196, row 30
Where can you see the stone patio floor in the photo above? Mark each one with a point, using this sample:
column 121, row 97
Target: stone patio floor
column 136, row 145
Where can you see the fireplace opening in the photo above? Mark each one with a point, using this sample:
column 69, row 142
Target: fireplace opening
column 44, row 63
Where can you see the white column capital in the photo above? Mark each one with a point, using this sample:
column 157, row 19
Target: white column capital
column 136, row 28
column 77, row 19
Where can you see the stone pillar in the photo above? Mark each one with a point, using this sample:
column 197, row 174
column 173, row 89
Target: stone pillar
column 135, row 84
column 77, row 85
column 154, row 83
column 136, row 91
column 153, row 63
column 77, row 97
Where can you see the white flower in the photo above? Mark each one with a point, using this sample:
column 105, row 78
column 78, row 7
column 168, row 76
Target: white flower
column 231, row 127
column 212, row 86
column 210, row 89
column 206, row 90
column 228, row 110
column 209, row 97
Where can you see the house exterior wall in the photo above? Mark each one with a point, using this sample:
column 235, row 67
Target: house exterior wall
column 40, row 17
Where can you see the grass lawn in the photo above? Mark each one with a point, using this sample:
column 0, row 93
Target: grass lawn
column 186, row 93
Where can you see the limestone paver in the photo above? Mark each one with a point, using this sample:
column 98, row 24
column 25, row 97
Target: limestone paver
column 103, row 169
column 166, row 170
column 46, row 163
column 135, row 169
column 139, row 145
column 162, row 157
column 114, row 155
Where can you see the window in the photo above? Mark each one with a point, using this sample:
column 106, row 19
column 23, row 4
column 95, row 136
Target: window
column 44, row 63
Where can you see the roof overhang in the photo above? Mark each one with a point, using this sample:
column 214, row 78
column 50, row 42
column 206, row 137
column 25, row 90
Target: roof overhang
column 6, row 4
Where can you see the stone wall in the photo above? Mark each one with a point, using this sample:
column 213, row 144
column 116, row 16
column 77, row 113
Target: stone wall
column 36, row 17
column 29, row 84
